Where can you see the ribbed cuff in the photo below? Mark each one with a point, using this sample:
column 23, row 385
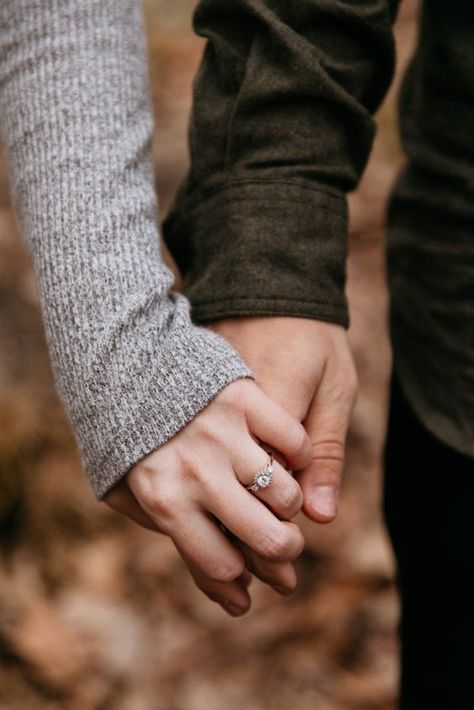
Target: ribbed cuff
column 196, row 364
column 268, row 248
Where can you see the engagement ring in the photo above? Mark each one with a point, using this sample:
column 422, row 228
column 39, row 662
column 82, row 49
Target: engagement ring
column 263, row 477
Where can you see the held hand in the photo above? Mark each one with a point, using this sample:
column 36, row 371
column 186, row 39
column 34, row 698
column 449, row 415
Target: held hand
column 307, row 367
column 196, row 483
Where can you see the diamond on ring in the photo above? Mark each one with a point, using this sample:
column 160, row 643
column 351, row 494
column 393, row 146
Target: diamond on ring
column 263, row 477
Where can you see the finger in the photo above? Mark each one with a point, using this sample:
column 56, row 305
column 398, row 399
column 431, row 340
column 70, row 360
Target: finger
column 195, row 535
column 252, row 522
column 279, row 575
column 271, row 423
column 246, row 577
column 283, row 495
column 326, row 423
column 232, row 596
column 121, row 499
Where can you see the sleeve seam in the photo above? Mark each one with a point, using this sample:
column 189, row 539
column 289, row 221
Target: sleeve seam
column 325, row 304
column 189, row 203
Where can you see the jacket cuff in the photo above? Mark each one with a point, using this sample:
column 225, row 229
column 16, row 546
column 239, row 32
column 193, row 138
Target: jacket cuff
column 154, row 404
column 262, row 248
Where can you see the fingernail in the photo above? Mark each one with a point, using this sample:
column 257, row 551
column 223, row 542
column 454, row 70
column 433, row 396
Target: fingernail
column 323, row 499
column 234, row 608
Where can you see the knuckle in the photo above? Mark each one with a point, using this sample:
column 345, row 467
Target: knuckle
column 291, row 497
column 192, row 469
column 161, row 503
column 205, row 430
column 329, row 450
column 191, row 473
column 235, row 398
column 277, row 546
column 296, row 438
column 225, row 571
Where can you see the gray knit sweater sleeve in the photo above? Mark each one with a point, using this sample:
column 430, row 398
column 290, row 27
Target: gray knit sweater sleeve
column 76, row 125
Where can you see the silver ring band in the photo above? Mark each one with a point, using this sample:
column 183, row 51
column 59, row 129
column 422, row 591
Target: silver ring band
column 263, row 477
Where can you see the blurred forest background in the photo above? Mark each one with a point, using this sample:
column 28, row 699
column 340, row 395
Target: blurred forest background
column 96, row 612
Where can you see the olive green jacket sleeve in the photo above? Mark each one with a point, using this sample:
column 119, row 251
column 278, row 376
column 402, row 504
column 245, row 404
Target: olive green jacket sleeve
column 280, row 131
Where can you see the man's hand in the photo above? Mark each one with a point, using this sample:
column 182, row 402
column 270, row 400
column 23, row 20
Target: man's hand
column 306, row 366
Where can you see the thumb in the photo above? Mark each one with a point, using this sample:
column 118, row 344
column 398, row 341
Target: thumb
column 327, row 422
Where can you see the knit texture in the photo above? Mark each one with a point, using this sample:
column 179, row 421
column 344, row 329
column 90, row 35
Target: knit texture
column 76, row 122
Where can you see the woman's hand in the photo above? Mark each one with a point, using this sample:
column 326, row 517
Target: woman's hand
column 193, row 488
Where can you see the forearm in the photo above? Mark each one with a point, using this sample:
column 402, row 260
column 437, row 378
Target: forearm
column 281, row 130
column 77, row 126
